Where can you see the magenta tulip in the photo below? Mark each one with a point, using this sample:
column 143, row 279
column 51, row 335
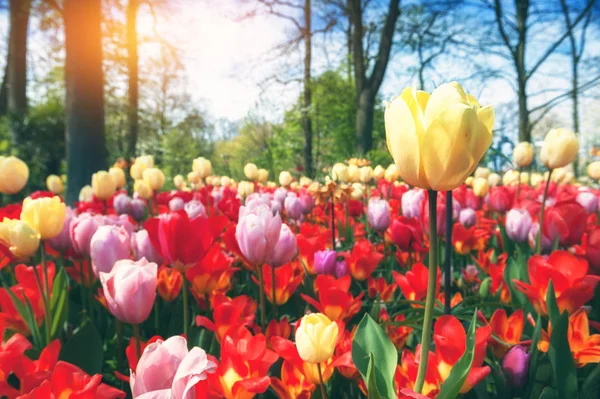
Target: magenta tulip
column 325, row 262
column 130, row 289
column 516, row 365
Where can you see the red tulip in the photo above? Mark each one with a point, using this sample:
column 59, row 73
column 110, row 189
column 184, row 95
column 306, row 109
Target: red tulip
column 592, row 248
column 565, row 221
column 500, row 199
column 406, row 234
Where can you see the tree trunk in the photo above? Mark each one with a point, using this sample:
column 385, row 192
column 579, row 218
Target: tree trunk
column 522, row 7
column 349, row 49
column 307, row 122
column 17, row 63
column 524, row 130
column 364, row 121
column 85, row 140
column 4, row 90
column 132, row 63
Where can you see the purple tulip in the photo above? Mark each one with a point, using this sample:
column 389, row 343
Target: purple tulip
column 325, row 262
column 108, row 245
column 138, row 209
column 280, row 194
column 341, row 269
column 378, row 215
column 518, row 224
column 467, row 217
column 122, row 204
column 516, row 366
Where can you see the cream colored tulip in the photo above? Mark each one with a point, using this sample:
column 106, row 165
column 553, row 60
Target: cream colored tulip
column 263, row 175
column 305, row 181
column 523, row 154
column 119, row 176
column 137, row 170
column 44, row 215
column 147, row 160
column 339, row 172
column 559, row 149
column 391, row 173
column 142, row 189
column 245, row 188
column 179, row 182
column 251, row 171
column 379, row 172
column 86, row 194
column 154, row 177
column 202, row 166
column 494, row 179
column 285, row 178
column 19, row 237
column 536, row 179
column 316, row 338
column 437, row 140
column 593, row 170
column 14, row 174
column 482, row 172
column 54, row 184
column 366, row 174
column 510, row 178
column 225, row 181
column 481, row 187
column 353, row 174
column 103, row 185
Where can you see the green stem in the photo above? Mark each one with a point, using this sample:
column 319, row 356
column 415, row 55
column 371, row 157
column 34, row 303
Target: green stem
column 263, row 318
column 82, row 291
column 156, row 316
column 138, row 342
column 538, row 245
column 90, row 289
column 119, row 329
column 274, row 292
column 322, row 384
column 448, row 255
column 47, row 321
column 186, row 310
column 46, row 294
column 431, row 284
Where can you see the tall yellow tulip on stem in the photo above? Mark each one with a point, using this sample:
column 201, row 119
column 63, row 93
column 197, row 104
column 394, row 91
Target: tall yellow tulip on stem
column 436, row 141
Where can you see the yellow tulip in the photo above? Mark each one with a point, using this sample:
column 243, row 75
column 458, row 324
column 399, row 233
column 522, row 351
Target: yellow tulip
column 147, row 160
column 143, row 189
column 469, row 181
column 103, row 185
column 482, row 172
column 366, row 174
column 353, row 174
column 14, row 174
column 536, row 179
column 118, row 175
column 559, row 149
column 155, row 178
column 245, row 188
column 263, row 175
column 285, row 178
column 437, row 140
column 20, row 238
column 481, row 187
column 391, row 173
column 202, row 166
column 225, row 181
column 316, row 338
column 251, row 171
column 378, row 172
column 510, row 178
column 339, row 172
column 523, row 154
column 54, row 184
column 524, row 177
column 136, row 170
column 358, row 191
column 305, row 181
column 45, row 215
column 593, row 170
column 86, row 194
column 179, row 182
column 494, row 179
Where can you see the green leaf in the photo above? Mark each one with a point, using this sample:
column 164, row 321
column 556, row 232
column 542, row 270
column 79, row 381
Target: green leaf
column 591, row 385
column 514, row 271
column 26, row 312
column 59, row 304
column 371, row 381
column 372, row 347
column 460, row 371
column 85, row 350
column 535, row 354
column 559, row 351
column 548, row 393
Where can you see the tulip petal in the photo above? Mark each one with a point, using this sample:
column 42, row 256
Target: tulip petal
column 487, row 116
column 441, row 99
column 403, row 141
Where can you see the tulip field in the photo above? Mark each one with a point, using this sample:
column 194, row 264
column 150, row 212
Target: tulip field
column 433, row 277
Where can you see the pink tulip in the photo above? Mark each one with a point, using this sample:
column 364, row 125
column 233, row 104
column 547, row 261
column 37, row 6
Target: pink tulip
column 82, row 229
column 130, row 289
column 325, row 262
column 195, row 208
column 516, row 365
column 411, row 203
column 518, row 224
column 280, row 194
column 293, row 206
column 176, row 204
column 121, row 221
column 285, row 249
column 142, row 247
column 307, row 201
column 167, row 370
column 108, row 245
column 467, row 217
column 588, row 200
column 62, row 242
column 257, row 233
column 378, row 215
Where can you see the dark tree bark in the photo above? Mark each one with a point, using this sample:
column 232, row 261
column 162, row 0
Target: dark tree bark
column 132, row 64
column 86, row 144
column 16, row 63
column 306, row 119
column 4, row 90
column 367, row 85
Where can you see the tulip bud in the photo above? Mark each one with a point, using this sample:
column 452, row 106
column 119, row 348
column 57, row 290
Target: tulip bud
column 378, row 215
column 588, row 200
column 108, row 245
column 44, row 215
column 366, row 174
column 202, row 166
column 62, row 241
column 251, row 171
column 469, row 181
column 179, row 182
column 316, row 337
column 467, row 217
column 176, row 204
column 593, row 170
column 391, row 173
column 103, row 185
column 20, row 238
column 292, row 206
column 245, row 188
column 536, row 179
column 138, row 209
column 482, row 172
column 137, row 170
column 143, row 248
column 142, row 189
column 195, row 208
column 119, row 176
column 285, row 178
column 154, row 177
column 14, row 174
column 263, row 175
column 511, row 178
column 147, row 160
column 86, row 194
column 54, row 184
column 484, row 288
column 378, row 172
column 339, row 172
column 325, row 262
column 130, row 290
column 341, row 269
column 122, row 204
column 411, row 203
column 559, row 149
column 523, row 154
column 257, row 233
column 285, row 249
column 353, row 174
column 516, row 366
column 480, row 187
column 494, row 179
column 518, row 224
